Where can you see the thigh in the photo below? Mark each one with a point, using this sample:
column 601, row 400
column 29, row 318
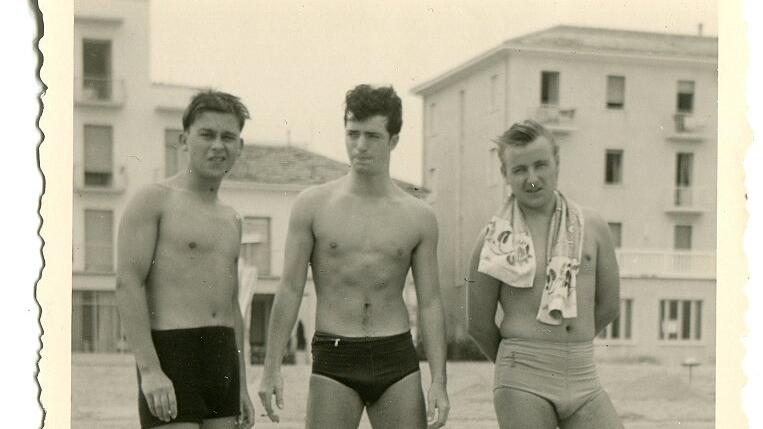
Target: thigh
column 219, row 423
column 517, row 409
column 598, row 413
column 400, row 406
column 331, row 404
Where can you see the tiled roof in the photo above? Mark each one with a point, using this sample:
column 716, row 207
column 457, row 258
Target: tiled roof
column 565, row 37
column 290, row 165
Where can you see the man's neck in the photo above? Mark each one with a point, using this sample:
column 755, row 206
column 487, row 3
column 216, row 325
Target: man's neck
column 375, row 185
column 202, row 187
column 540, row 213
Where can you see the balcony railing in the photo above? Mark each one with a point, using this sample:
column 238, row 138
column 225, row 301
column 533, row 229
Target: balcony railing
column 114, row 181
column 670, row 264
column 99, row 91
column 687, row 127
column 556, row 119
column 689, row 199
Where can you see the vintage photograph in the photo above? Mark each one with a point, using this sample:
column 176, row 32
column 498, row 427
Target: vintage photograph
column 394, row 215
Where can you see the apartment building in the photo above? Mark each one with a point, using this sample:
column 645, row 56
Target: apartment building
column 635, row 117
column 125, row 136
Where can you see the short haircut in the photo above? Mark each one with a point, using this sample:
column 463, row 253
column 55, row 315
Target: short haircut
column 214, row 101
column 365, row 101
column 523, row 133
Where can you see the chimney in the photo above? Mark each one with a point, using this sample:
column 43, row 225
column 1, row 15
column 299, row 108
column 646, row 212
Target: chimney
column 699, row 29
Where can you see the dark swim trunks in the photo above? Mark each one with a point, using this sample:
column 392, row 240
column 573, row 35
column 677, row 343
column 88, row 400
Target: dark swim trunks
column 203, row 366
column 368, row 365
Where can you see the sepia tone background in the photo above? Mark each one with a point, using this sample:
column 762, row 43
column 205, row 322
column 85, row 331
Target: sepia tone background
column 337, row 121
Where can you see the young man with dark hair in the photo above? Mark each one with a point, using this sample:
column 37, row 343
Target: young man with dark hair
column 177, row 281
column 551, row 266
column 360, row 235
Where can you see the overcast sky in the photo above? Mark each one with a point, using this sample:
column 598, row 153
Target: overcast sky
column 292, row 62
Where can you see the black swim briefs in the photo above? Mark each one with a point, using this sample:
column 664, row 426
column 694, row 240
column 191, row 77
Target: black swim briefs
column 368, row 365
column 203, row 366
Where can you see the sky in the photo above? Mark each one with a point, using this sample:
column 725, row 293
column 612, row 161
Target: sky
column 292, row 62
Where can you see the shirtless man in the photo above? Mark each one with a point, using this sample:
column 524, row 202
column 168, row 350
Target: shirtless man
column 544, row 371
column 177, row 281
column 361, row 234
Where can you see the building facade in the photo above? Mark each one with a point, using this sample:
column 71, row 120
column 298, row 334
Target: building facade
column 635, row 117
column 126, row 131
column 125, row 137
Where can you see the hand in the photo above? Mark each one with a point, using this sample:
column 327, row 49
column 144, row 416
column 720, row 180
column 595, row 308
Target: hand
column 271, row 384
column 160, row 394
column 246, row 419
column 437, row 399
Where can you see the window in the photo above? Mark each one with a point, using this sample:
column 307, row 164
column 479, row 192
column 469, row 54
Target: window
column 549, row 88
column 96, row 64
column 616, row 229
column 613, row 170
column 615, row 92
column 682, row 237
column 622, row 327
column 494, row 92
column 684, row 179
column 96, row 327
column 680, row 320
column 258, row 329
column 685, row 98
column 98, row 155
column 171, row 152
column 99, row 241
column 255, row 246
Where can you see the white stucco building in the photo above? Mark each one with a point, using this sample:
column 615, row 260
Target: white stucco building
column 635, row 116
column 125, row 134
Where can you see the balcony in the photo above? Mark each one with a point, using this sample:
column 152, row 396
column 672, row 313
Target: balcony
column 99, row 91
column 686, row 128
column 689, row 200
column 666, row 264
column 556, row 119
column 113, row 182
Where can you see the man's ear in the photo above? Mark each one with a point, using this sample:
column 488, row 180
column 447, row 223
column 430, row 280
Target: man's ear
column 182, row 140
column 393, row 141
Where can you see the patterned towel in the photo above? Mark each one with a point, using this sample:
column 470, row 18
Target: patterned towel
column 508, row 255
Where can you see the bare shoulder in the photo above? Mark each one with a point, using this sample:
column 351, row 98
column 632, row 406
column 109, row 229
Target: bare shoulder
column 150, row 199
column 595, row 223
column 419, row 212
column 311, row 199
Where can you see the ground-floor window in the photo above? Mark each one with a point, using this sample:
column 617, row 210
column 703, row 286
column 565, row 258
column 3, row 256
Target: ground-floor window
column 95, row 323
column 680, row 319
column 620, row 328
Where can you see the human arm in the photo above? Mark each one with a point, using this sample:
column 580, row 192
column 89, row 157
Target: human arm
column 246, row 418
column 136, row 241
column 431, row 315
column 607, row 301
column 481, row 302
column 299, row 247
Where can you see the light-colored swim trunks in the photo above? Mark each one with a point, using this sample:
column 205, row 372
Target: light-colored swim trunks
column 564, row 374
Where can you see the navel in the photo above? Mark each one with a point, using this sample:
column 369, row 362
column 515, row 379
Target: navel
column 192, row 245
column 333, row 245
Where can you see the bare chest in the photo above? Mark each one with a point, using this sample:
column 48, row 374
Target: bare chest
column 197, row 229
column 345, row 231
